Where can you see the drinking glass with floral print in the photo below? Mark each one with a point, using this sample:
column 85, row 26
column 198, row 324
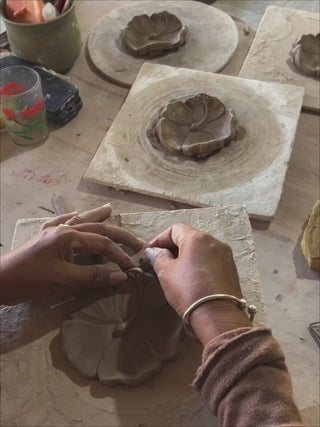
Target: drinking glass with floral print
column 23, row 107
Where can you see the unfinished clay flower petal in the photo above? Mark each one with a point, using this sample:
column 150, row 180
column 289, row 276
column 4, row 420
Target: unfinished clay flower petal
column 163, row 333
column 305, row 54
column 127, row 361
column 154, row 35
column 84, row 344
column 199, row 128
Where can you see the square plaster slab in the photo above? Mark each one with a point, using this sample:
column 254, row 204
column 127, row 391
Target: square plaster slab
column 41, row 388
column 250, row 171
column 268, row 58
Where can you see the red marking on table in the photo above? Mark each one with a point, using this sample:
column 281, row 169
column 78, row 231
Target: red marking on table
column 29, row 175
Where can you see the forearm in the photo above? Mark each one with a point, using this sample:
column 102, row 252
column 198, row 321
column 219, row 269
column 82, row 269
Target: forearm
column 244, row 380
column 9, row 281
column 216, row 317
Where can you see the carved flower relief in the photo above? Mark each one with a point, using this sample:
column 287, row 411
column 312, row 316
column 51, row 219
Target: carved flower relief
column 305, row 54
column 197, row 126
column 125, row 338
column 155, row 34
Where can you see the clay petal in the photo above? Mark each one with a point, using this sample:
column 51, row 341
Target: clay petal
column 221, row 127
column 171, row 135
column 194, row 145
column 309, row 63
column 178, row 112
column 205, row 108
column 84, row 344
column 173, row 29
column 162, row 332
column 295, row 53
column 127, row 361
column 136, row 39
column 111, row 310
column 215, row 110
column 310, row 43
column 209, row 138
column 159, row 24
column 142, row 24
column 153, row 296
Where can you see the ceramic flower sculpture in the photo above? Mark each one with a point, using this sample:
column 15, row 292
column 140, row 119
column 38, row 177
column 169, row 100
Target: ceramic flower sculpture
column 125, row 338
column 197, row 126
column 305, row 54
column 154, row 35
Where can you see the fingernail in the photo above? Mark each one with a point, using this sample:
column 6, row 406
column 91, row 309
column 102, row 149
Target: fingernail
column 107, row 205
column 117, row 278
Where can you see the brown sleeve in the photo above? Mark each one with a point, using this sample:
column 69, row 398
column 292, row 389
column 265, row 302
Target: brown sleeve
column 244, row 380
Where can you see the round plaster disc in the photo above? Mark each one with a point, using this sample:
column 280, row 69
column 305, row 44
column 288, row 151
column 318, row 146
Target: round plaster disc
column 211, row 40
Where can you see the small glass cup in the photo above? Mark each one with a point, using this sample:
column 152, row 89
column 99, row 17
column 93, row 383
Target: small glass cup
column 23, row 107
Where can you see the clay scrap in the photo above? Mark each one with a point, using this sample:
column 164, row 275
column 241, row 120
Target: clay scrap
column 197, row 126
column 305, row 54
column 310, row 243
column 154, row 35
column 124, row 338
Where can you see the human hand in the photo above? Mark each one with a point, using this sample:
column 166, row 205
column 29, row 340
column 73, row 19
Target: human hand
column 203, row 266
column 44, row 266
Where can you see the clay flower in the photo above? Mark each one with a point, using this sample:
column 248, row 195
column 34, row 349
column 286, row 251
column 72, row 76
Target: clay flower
column 12, row 89
column 305, row 54
column 9, row 114
column 197, row 126
column 125, row 338
column 155, row 34
column 32, row 112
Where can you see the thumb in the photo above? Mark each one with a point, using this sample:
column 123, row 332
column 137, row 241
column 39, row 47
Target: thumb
column 158, row 258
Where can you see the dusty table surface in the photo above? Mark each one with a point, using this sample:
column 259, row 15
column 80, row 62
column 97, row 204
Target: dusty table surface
column 31, row 176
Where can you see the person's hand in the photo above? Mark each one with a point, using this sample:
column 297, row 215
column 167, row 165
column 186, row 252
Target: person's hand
column 44, row 266
column 191, row 264
column 203, row 266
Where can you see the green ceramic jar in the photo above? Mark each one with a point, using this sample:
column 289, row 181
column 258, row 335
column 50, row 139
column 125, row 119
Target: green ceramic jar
column 55, row 44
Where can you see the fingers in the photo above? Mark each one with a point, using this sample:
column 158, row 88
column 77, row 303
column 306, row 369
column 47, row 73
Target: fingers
column 94, row 215
column 117, row 234
column 159, row 258
column 61, row 219
column 171, row 237
column 94, row 276
column 72, row 218
column 98, row 245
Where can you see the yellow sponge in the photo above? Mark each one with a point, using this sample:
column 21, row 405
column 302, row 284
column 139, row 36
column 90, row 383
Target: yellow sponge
column 311, row 239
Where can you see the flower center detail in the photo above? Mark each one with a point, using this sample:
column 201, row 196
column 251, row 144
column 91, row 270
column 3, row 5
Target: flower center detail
column 194, row 127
